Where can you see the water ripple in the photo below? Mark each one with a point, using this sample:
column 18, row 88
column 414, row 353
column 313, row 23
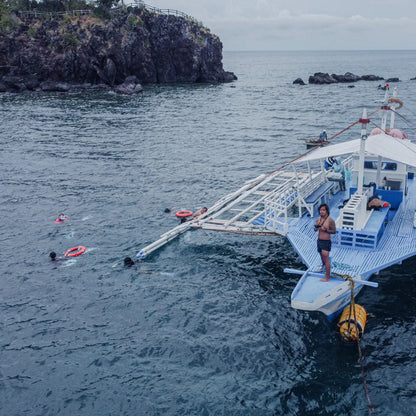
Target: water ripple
column 204, row 325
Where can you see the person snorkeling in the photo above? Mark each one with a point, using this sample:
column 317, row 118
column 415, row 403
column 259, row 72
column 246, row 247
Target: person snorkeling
column 128, row 262
column 53, row 257
column 61, row 218
column 189, row 214
column 201, row 211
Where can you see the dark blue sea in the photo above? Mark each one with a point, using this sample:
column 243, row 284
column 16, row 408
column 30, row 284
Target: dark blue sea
column 204, row 325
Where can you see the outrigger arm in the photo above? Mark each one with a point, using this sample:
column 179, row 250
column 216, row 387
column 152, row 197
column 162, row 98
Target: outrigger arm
column 227, row 201
column 164, row 239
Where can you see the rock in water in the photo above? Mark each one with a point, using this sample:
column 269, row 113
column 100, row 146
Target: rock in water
column 299, row 81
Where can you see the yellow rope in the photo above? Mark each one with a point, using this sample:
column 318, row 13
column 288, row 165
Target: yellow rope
column 352, row 307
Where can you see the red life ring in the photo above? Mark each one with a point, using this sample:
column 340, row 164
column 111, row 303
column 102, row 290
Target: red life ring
column 75, row 251
column 183, row 214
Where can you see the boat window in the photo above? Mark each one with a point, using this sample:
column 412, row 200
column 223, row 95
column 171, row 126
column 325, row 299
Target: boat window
column 371, row 164
column 389, row 166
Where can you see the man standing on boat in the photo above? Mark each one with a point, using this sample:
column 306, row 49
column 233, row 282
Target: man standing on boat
column 325, row 226
column 323, row 136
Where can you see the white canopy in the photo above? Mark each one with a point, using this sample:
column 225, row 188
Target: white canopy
column 388, row 147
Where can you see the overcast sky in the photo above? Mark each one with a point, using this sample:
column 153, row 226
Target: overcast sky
column 304, row 24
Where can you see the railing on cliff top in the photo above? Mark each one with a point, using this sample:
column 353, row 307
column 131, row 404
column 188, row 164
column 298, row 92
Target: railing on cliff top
column 138, row 3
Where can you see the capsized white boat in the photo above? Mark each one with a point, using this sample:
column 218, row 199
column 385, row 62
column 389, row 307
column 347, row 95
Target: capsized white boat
column 285, row 202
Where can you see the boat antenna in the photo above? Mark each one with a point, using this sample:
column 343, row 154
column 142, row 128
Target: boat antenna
column 364, row 121
column 386, row 109
column 392, row 115
column 386, row 94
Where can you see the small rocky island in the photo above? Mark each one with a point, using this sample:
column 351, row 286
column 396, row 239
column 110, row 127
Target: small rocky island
column 322, row 78
column 129, row 47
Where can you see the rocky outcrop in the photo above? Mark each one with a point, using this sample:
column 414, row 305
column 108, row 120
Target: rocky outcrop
column 54, row 86
column 371, row 78
column 321, row 78
column 131, row 85
column 348, row 77
column 393, row 79
column 299, row 81
column 132, row 48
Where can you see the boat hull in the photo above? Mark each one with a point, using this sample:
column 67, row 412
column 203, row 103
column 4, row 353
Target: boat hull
column 310, row 145
column 330, row 298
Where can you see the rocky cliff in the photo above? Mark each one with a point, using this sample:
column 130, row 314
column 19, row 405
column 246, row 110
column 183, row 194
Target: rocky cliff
column 135, row 44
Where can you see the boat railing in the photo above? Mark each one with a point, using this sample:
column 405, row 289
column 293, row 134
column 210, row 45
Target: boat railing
column 244, row 210
column 257, row 206
column 311, row 183
column 293, row 192
column 314, row 184
column 276, row 209
column 275, row 196
column 114, row 10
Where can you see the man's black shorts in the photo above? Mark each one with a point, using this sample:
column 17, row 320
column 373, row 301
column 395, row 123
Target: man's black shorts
column 324, row 245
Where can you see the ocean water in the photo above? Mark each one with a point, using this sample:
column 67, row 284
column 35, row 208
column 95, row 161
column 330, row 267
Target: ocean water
column 204, row 325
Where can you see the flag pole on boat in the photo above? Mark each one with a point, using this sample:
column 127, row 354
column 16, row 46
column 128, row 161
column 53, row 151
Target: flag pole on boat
column 364, row 121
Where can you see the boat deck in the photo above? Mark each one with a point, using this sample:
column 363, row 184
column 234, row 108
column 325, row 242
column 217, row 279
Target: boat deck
column 397, row 243
column 312, row 288
column 246, row 211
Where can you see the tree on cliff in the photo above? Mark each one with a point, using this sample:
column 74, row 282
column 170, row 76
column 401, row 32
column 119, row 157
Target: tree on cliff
column 104, row 7
column 45, row 5
column 107, row 4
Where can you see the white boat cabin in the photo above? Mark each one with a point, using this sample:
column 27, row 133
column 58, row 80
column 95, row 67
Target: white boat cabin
column 385, row 179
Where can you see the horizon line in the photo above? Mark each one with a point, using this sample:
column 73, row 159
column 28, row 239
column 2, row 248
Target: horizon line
column 319, row 50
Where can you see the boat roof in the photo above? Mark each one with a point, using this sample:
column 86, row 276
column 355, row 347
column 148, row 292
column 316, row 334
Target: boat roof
column 388, row 147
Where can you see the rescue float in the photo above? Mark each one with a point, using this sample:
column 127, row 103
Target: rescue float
column 75, row 251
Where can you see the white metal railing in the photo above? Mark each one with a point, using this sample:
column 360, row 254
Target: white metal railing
column 34, row 13
column 308, row 187
column 311, row 184
column 276, row 209
column 138, row 3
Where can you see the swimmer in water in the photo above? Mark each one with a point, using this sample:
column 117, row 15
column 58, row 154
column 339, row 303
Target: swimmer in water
column 196, row 215
column 128, row 262
column 61, row 217
column 200, row 212
column 53, row 257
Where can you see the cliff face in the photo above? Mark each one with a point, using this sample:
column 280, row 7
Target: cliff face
column 135, row 44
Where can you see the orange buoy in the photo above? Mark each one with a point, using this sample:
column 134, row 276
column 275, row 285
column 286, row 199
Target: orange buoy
column 184, row 214
column 75, row 251
column 349, row 329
